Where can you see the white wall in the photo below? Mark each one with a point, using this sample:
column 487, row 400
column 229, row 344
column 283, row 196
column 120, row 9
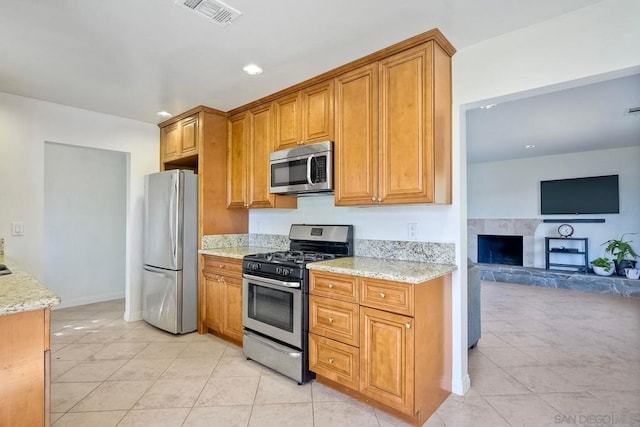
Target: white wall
column 511, row 189
column 25, row 124
column 603, row 38
column 85, row 202
column 383, row 223
column 592, row 41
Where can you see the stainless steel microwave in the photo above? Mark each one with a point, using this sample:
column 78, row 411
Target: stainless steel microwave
column 302, row 170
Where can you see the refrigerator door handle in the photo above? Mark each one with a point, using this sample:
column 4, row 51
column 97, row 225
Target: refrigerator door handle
column 161, row 271
column 173, row 219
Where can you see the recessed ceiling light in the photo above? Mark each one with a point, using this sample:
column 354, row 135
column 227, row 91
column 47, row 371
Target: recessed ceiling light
column 488, row 107
column 252, row 70
column 530, row 146
column 163, row 114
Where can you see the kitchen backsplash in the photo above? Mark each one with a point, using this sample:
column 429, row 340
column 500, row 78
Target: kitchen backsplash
column 437, row 253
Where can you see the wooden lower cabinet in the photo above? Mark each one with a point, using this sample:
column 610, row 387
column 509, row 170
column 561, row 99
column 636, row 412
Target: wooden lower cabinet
column 400, row 359
column 334, row 360
column 220, row 296
column 386, row 351
column 25, row 369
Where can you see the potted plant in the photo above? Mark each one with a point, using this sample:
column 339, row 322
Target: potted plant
column 602, row 266
column 623, row 253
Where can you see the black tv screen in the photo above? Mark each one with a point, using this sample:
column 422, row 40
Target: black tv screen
column 591, row 195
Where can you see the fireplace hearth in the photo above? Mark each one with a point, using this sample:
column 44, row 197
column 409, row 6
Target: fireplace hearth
column 499, row 249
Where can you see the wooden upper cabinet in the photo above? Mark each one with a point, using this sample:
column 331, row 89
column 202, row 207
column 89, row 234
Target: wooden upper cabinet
column 317, row 113
column 260, row 146
column 170, row 141
column 304, row 117
column 189, row 136
column 179, row 140
column 287, row 120
column 393, row 130
column 250, row 143
column 237, row 161
column 356, row 162
column 406, row 148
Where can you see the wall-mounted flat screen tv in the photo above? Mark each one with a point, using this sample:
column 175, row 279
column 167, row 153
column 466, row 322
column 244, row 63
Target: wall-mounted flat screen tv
column 590, row 195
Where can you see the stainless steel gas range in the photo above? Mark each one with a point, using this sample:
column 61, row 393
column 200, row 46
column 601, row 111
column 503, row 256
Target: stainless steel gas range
column 275, row 297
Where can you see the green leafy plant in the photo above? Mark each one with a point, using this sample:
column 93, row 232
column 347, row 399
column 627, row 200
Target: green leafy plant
column 620, row 249
column 604, row 263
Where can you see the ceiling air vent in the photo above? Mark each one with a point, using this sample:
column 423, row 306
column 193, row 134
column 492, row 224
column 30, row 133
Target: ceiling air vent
column 215, row 10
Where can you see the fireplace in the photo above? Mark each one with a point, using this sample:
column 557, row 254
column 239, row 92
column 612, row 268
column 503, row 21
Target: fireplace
column 493, row 249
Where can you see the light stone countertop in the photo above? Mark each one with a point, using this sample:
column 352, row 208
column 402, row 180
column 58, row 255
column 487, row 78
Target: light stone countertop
column 19, row 291
column 236, row 252
column 398, row 271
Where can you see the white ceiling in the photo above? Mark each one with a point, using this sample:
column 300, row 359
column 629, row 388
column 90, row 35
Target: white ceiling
column 584, row 118
column 132, row 58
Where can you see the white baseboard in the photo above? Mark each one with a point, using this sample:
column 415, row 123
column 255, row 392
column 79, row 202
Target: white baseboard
column 133, row 316
column 461, row 386
column 73, row 302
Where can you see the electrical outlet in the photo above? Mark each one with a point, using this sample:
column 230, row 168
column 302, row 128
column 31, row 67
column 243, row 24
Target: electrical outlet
column 17, row 228
column 412, row 231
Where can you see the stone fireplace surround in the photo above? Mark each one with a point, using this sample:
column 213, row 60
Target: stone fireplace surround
column 528, row 274
column 504, row 227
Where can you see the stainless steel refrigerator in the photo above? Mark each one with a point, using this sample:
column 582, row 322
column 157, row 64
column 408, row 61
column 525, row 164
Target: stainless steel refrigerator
column 170, row 274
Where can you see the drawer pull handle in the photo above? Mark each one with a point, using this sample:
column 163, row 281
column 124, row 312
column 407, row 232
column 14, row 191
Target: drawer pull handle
column 331, row 361
column 330, row 319
column 407, row 325
column 382, row 295
column 221, row 266
column 331, row 285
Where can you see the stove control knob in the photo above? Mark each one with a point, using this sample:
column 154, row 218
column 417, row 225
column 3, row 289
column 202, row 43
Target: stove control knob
column 253, row 266
column 283, row 271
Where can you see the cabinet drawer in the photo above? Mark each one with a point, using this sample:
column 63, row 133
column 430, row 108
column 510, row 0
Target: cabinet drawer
column 334, row 319
column 389, row 296
column 334, row 286
column 335, row 361
column 223, row 266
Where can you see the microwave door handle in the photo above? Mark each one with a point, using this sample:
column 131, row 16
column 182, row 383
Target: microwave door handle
column 309, row 160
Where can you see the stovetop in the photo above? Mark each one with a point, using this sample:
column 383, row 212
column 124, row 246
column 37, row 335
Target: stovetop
column 308, row 243
column 292, row 258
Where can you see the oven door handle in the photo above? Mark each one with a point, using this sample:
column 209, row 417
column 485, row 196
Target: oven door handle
column 272, row 281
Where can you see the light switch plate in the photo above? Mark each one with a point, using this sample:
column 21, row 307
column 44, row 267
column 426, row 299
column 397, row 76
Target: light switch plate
column 17, row 228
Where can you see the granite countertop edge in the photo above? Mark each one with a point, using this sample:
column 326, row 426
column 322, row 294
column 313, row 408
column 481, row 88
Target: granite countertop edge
column 236, row 252
column 376, row 268
column 20, row 291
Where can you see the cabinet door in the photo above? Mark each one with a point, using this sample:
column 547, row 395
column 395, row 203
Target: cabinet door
column 260, row 146
column 232, row 300
column 287, row 119
column 317, row 113
column 237, row 162
column 355, row 148
column 386, row 358
column 170, row 141
column 189, row 143
column 22, row 367
column 406, row 123
column 211, row 304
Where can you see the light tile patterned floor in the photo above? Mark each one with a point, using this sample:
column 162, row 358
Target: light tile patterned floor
column 547, row 357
